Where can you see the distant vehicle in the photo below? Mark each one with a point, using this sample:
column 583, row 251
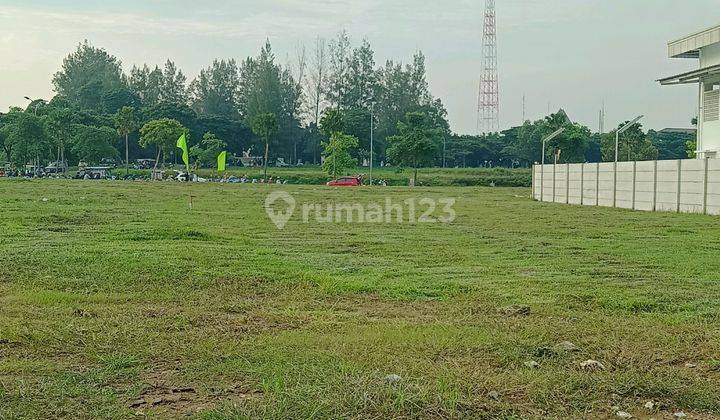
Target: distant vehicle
column 108, row 162
column 56, row 167
column 144, row 163
column 94, row 172
column 280, row 162
column 347, row 181
column 183, row 177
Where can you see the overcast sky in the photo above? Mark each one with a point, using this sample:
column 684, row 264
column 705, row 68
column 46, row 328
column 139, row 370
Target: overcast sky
column 573, row 54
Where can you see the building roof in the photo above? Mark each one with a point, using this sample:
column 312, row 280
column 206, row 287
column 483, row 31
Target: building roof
column 686, row 131
column 689, row 46
column 691, row 76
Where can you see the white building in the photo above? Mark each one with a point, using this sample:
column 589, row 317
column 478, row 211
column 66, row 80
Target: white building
column 704, row 46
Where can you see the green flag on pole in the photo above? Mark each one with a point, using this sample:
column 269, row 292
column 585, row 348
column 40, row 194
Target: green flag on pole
column 221, row 161
column 182, row 144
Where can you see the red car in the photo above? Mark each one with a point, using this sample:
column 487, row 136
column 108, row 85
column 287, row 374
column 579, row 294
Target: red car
column 347, row 181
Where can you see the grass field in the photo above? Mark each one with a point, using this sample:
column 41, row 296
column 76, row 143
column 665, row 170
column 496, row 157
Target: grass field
column 116, row 299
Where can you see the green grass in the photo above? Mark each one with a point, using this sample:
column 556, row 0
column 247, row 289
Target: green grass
column 112, row 294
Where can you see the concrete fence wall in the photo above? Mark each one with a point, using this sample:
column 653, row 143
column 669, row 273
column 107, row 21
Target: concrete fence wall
column 688, row 186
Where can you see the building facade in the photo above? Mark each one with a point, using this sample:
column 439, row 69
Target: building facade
column 703, row 46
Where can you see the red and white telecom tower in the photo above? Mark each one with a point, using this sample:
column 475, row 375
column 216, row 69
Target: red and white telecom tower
column 489, row 94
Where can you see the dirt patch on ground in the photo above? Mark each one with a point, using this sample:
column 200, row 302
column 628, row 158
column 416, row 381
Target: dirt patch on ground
column 165, row 396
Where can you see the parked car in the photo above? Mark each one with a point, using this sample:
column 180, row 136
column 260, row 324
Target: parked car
column 144, row 164
column 95, row 172
column 110, row 163
column 346, row 181
column 56, row 167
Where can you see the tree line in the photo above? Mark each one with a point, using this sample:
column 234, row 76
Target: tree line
column 521, row 146
column 99, row 111
column 276, row 110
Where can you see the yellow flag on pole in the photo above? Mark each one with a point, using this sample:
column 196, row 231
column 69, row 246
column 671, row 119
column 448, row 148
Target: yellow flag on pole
column 182, row 144
column 222, row 157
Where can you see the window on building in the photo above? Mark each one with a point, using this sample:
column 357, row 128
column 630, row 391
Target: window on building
column 711, row 104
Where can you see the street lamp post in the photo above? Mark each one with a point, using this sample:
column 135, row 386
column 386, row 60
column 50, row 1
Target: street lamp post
column 372, row 124
column 542, row 159
column 444, row 140
column 31, row 101
column 621, row 130
column 37, row 157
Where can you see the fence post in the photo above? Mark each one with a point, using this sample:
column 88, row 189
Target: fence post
column 597, row 184
column 542, row 182
column 532, row 182
column 654, row 200
column 615, row 185
column 554, row 179
column 633, row 183
column 582, row 184
column 705, row 186
column 567, row 183
column 679, row 181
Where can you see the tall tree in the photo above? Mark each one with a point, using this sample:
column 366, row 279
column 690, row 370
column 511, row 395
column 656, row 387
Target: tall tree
column 361, row 77
column 338, row 84
column 333, row 121
column 126, row 122
column 147, row 83
column 416, row 145
column 265, row 126
column 266, row 87
column 215, row 90
column 315, row 88
column 404, row 89
column 87, row 75
column 315, row 96
column 173, row 87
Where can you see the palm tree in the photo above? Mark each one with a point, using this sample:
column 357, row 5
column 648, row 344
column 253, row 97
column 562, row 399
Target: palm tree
column 126, row 122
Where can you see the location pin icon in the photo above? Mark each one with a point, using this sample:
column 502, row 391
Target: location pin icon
column 279, row 217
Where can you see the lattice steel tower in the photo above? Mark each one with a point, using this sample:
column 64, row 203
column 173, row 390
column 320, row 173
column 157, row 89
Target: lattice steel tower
column 489, row 94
